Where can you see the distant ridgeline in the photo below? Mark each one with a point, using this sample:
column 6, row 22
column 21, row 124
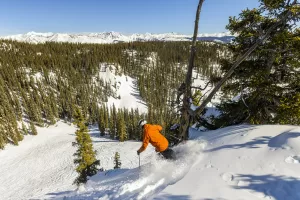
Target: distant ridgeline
column 40, row 83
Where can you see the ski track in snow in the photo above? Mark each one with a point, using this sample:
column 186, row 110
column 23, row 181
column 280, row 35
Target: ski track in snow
column 144, row 182
column 243, row 163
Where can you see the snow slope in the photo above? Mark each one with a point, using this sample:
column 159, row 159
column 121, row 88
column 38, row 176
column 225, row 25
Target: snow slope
column 129, row 95
column 40, row 164
column 126, row 92
column 235, row 163
column 113, row 37
column 244, row 162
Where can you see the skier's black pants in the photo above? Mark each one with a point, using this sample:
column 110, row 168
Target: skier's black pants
column 168, row 154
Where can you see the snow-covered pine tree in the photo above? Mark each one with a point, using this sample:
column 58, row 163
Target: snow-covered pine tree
column 117, row 161
column 85, row 156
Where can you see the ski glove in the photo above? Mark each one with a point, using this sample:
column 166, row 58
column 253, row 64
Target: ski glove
column 138, row 152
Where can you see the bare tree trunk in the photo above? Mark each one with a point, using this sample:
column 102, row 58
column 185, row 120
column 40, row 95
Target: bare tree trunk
column 185, row 116
column 239, row 60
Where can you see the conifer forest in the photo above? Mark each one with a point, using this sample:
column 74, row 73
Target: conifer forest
column 41, row 83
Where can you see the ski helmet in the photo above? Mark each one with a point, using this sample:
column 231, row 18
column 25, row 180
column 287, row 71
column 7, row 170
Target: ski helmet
column 142, row 122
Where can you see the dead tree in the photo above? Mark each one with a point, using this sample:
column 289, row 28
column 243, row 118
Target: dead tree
column 185, row 116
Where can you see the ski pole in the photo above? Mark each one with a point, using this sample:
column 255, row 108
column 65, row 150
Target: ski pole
column 139, row 161
column 139, row 165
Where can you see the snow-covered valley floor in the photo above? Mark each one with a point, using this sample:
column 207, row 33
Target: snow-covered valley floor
column 234, row 163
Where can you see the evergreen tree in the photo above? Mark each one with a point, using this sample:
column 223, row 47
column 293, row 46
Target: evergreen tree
column 85, row 156
column 121, row 127
column 111, row 123
column 101, row 122
column 106, row 117
column 3, row 137
column 268, row 80
column 114, row 122
column 24, row 129
column 117, row 161
column 33, row 129
column 289, row 110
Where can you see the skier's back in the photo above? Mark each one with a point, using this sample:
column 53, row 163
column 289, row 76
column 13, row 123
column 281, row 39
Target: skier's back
column 151, row 133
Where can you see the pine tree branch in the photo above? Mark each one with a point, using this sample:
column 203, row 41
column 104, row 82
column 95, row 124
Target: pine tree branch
column 202, row 97
column 259, row 41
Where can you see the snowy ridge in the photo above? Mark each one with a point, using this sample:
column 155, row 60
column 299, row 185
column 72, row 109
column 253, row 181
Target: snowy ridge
column 113, row 37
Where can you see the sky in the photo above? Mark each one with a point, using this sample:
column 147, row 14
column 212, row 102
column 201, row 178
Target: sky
column 125, row 16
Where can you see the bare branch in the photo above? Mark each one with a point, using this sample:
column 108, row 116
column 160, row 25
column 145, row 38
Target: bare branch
column 242, row 95
column 199, row 88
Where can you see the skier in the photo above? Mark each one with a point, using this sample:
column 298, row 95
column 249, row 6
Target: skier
column 151, row 133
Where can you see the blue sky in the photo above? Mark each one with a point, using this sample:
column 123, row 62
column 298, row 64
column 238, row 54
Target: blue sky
column 125, row 16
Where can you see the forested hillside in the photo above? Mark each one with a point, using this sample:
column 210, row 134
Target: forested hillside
column 41, row 83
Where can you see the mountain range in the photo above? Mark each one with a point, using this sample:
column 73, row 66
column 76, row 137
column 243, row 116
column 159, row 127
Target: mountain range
column 113, row 37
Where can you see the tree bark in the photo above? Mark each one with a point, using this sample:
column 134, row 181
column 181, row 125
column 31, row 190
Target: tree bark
column 185, row 116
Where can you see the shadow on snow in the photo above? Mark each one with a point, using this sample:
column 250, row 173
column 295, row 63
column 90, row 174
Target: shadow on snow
column 271, row 186
column 282, row 139
column 173, row 197
column 255, row 143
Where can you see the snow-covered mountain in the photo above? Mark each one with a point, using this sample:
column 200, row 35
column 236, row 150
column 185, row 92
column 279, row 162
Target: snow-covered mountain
column 113, row 37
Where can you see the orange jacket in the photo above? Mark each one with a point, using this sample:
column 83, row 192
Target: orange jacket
column 151, row 134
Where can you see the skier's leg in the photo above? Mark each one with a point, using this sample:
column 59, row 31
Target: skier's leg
column 172, row 154
column 169, row 154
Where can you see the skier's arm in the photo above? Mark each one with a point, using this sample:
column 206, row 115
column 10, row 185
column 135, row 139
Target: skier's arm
column 145, row 142
column 159, row 128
